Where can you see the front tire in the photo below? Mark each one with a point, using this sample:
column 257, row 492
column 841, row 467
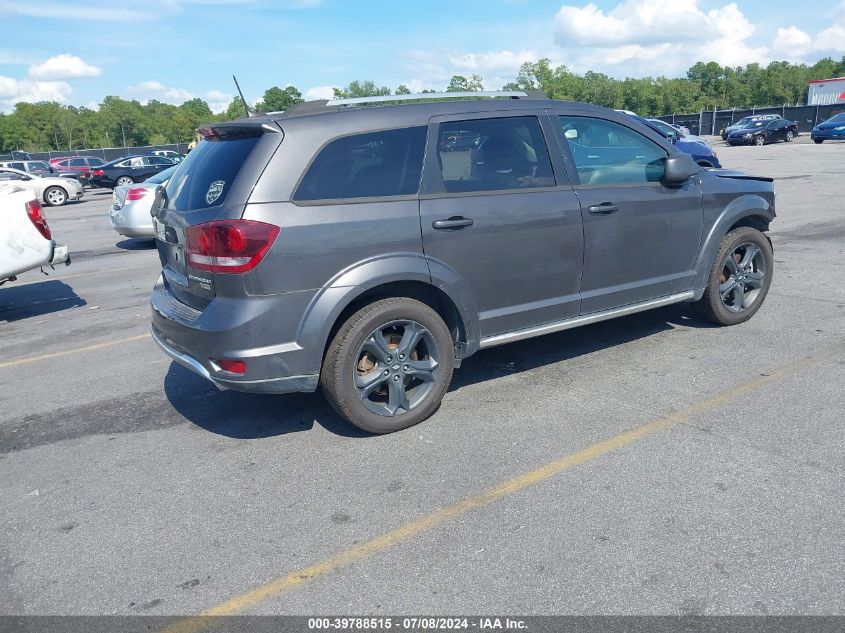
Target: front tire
column 739, row 279
column 389, row 365
column 818, row 141
column 55, row 196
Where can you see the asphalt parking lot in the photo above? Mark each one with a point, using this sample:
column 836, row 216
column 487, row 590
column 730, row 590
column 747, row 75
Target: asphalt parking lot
column 648, row 465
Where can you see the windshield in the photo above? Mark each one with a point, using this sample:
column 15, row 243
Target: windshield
column 162, row 176
column 837, row 117
column 664, row 128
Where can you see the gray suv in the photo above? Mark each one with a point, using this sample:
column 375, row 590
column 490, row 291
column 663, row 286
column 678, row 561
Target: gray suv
column 369, row 248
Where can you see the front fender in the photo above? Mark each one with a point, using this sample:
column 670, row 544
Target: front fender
column 742, row 207
column 351, row 283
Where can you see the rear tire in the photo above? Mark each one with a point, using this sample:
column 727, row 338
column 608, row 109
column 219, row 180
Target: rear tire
column 55, row 196
column 368, row 366
column 789, row 136
column 759, row 141
column 736, row 289
column 125, row 180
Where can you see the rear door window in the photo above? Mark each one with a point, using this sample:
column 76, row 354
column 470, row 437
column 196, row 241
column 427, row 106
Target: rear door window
column 77, row 162
column 205, row 177
column 493, row 154
column 375, row 164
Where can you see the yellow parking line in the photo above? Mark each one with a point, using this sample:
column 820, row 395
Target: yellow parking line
column 156, row 271
column 430, row 521
column 87, row 348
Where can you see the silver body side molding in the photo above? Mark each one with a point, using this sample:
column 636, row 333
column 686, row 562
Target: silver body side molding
column 557, row 326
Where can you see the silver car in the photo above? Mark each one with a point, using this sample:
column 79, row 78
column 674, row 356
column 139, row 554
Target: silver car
column 130, row 207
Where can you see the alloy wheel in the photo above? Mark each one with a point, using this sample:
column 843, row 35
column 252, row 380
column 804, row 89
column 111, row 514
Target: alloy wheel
column 742, row 277
column 396, row 367
column 56, row 197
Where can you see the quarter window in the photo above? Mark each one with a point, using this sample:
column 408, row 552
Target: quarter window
column 387, row 163
column 493, row 154
column 607, row 153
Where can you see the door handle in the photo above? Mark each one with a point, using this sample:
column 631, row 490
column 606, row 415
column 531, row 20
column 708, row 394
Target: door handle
column 455, row 222
column 603, row 208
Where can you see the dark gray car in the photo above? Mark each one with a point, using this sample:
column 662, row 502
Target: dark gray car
column 370, row 249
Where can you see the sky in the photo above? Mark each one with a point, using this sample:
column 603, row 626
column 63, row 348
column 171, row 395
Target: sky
column 172, row 50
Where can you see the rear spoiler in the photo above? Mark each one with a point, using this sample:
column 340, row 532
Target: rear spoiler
column 238, row 129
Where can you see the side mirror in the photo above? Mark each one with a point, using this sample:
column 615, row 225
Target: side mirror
column 679, row 168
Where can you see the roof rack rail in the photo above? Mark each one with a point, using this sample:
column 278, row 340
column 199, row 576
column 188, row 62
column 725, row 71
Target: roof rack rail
column 512, row 94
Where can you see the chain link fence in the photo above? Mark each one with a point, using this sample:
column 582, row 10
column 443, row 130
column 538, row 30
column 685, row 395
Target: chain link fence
column 712, row 122
column 106, row 153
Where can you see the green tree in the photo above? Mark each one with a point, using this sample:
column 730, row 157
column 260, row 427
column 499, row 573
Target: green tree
column 459, row 83
column 361, row 89
column 278, row 99
column 402, row 89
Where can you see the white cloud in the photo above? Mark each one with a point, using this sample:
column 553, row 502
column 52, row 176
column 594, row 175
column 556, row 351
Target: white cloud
column 663, row 37
column 792, row 43
column 148, row 90
column 492, row 61
column 218, row 101
column 319, row 92
column 832, row 39
column 63, row 66
column 67, row 11
column 14, row 91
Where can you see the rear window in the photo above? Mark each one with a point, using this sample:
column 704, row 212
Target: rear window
column 375, row 164
column 205, row 177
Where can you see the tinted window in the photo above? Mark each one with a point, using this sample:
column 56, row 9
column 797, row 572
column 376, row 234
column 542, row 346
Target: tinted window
column 609, row 153
column 158, row 160
column 493, row 154
column 837, row 117
column 77, row 162
column 20, row 166
column 385, row 163
column 95, row 162
column 208, row 171
column 62, row 163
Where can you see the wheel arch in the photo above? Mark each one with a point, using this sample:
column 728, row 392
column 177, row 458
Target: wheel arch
column 752, row 211
column 406, row 275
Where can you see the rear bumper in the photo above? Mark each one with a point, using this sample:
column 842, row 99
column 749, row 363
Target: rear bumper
column 287, row 384
column 259, row 330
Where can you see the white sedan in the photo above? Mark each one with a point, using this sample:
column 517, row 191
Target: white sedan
column 52, row 191
column 25, row 239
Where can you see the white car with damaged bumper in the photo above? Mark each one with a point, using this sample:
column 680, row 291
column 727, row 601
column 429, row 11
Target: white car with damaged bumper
column 26, row 242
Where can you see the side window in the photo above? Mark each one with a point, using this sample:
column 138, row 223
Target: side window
column 493, row 154
column 138, row 161
column 77, row 162
column 387, row 163
column 607, row 153
column 159, row 160
column 63, row 163
column 94, row 162
column 20, row 166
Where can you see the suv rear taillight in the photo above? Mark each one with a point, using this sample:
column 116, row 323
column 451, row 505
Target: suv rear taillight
column 229, row 246
column 136, row 193
column 33, row 210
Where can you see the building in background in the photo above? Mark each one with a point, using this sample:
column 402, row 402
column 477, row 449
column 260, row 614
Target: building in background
column 826, row 91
